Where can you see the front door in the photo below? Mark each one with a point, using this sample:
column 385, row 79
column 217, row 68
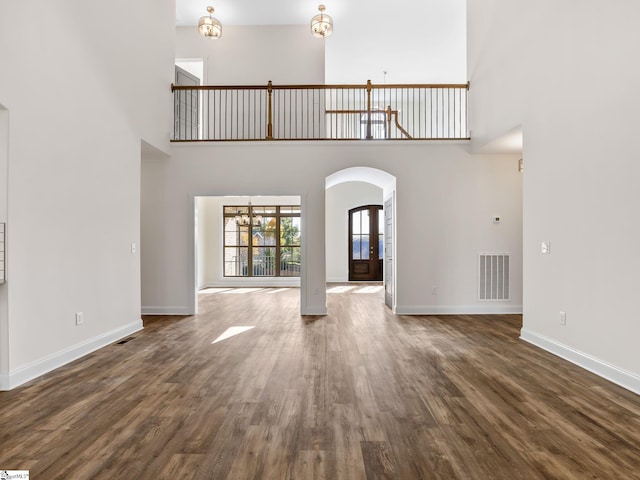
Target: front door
column 366, row 237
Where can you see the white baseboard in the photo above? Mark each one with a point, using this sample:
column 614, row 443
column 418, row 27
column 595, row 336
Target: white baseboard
column 58, row 359
column 166, row 311
column 603, row 369
column 458, row 309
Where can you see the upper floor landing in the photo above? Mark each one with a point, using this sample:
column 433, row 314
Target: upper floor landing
column 319, row 112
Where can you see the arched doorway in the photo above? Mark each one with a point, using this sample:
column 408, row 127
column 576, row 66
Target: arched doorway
column 387, row 186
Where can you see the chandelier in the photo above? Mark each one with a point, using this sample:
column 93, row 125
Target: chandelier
column 210, row 27
column 245, row 220
column 321, row 24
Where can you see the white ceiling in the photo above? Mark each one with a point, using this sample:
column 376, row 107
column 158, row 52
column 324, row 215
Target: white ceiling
column 255, row 12
column 299, row 12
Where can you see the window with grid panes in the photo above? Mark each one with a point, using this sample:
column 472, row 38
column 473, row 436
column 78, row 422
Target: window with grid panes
column 261, row 241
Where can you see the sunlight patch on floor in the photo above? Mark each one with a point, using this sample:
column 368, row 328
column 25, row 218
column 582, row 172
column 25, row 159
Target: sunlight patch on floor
column 340, row 289
column 372, row 289
column 214, row 290
column 239, row 291
column 230, row 332
column 277, row 290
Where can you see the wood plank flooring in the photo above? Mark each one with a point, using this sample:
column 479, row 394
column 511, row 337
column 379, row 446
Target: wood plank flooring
column 358, row 394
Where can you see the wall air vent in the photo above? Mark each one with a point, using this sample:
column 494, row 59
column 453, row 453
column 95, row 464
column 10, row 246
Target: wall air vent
column 493, row 276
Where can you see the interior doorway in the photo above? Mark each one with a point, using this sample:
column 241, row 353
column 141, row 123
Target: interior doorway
column 186, row 107
column 246, row 242
column 188, row 103
column 356, row 189
column 366, row 243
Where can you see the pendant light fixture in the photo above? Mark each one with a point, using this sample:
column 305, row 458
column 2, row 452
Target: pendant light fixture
column 321, row 24
column 249, row 218
column 209, row 26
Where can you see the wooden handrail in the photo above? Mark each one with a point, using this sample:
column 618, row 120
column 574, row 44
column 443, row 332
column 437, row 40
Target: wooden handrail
column 387, row 111
column 273, row 112
column 319, row 87
column 398, row 126
column 345, row 111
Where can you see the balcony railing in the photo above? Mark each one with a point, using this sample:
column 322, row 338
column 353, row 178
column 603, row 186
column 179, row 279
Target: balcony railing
column 320, row 112
column 261, row 266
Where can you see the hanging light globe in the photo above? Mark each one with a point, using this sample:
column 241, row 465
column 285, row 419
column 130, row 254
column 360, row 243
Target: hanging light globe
column 209, row 26
column 321, row 24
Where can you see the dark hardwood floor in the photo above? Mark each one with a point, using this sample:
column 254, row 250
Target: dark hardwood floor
column 358, row 394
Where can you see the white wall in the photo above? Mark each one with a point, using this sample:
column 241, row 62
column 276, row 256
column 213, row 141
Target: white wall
column 250, row 55
column 4, row 184
column 209, row 234
column 445, row 200
column 340, row 199
column 500, row 48
column 567, row 78
column 208, row 229
column 80, row 99
column 423, row 42
column 414, row 41
column 253, row 55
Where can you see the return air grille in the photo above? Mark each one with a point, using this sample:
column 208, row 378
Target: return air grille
column 493, row 276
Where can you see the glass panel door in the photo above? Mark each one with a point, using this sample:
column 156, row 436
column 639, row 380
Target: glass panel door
column 366, row 238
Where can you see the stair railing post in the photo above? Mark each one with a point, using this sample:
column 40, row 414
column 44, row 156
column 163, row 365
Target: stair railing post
column 388, row 121
column 369, row 136
column 269, row 111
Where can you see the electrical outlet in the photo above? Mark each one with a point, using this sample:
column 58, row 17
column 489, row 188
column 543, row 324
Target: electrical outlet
column 79, row 318
column 545, row 247
column 563, row 318
column 434, row 290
